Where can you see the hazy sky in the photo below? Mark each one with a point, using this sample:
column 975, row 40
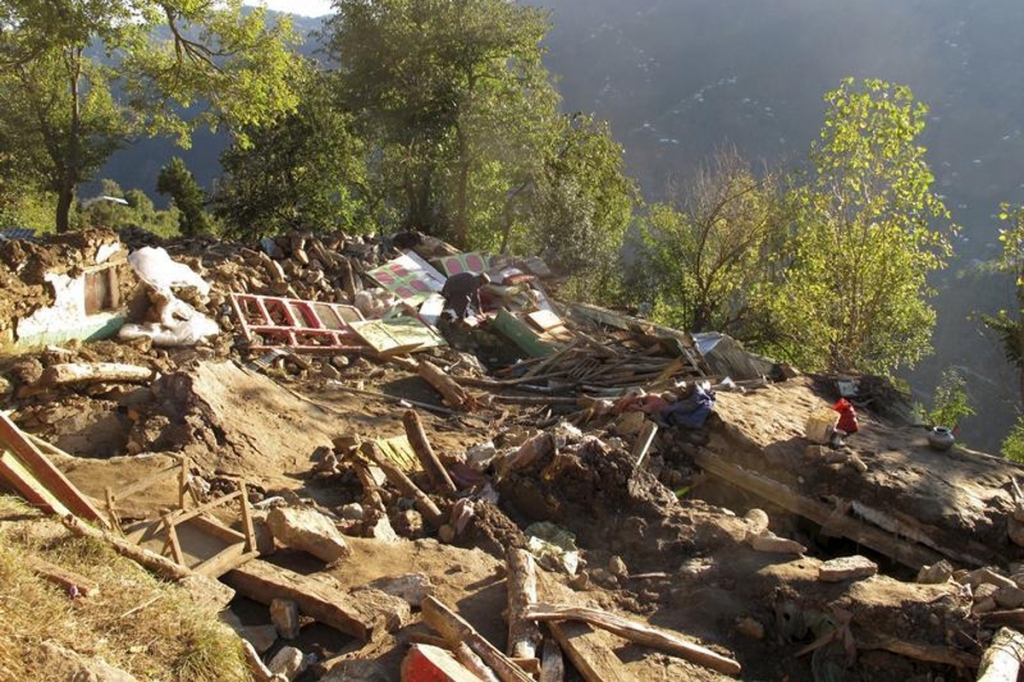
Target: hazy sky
column 309, row 8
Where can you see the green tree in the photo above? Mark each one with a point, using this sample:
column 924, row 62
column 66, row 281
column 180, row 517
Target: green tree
column 710, row 260
column 855, row 295
column 176, row 180
column 1009, row 326
column 137, row 210
column 445, row 91
column 58, row 102
column 307, row 171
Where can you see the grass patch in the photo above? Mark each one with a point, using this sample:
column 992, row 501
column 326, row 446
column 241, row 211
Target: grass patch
column 169, row 638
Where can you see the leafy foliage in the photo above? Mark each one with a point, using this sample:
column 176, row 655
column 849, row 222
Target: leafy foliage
column 1009, row 327
column 139, row 212
column 710, row 261
column 305, row 171
column 950, row 403
column 176, row 180
column 60, row 120
column 855, row 294
column 1013, row 444
column 451, row 94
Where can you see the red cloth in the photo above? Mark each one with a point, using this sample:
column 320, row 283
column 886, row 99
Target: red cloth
column 847, row 416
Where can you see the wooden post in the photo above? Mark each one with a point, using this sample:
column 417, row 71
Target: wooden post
column 247, row 527
column 456, row 631
column 421, row 446
column 172, row 540
column 521, row 583
column 637, row 632
column 94, row 372
column 643, row 441
column 453, row 394
column 423, row 503
column 1002, row 659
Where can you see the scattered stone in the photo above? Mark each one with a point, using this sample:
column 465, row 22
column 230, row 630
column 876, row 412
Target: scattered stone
column 308, row 530
column 936, row 574
column 70, row 665
column 749, row 627
column 340, row 361
column 758, row 521
column 982, row 576
column 289, row 662
column 381, row 529
column 353, row 511
column 409, row 524
column 329, row 371
column 285, row 615
column 771, row 543
column 853, row 567
column 412, row 587
column 984, row 591
column 260, row 637
column 357, row 669
column 260, row 671
column 446, row 533
column 984, row 606
column 617, row 567
column 1009, row 597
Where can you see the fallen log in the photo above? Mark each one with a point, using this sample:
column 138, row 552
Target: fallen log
column 455, row 631
column 397, row 477
column 454, row 395
column 425, row 452
column 160, row 565
column 521, row 583
column 94, row 372
column 637, row 632
column 1002, row 659
column 1013, row 618
column 63, row 578
column 359, row 615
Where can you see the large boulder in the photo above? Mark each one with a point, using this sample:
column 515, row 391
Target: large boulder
column 308, row 530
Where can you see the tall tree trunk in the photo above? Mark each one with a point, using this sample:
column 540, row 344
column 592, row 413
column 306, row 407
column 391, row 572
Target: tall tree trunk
column 460, row 233
column 72, row 167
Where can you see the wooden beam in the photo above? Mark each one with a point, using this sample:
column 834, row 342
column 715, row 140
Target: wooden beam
column 457, row 631
column 46, row 474
column 423, row 504
column 594, row 661
column 643, row 441
column 638, row 632
column 22, row 480
column 907, row 553
column 1002, row 659
column 64, row 578
column 552, row 666
column 94, row 372
column 318, row 598
column 151, row 560
column 425, row 452
column 524, row 636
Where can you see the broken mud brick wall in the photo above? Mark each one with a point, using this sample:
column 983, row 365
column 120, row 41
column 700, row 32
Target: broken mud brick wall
column 75, row 286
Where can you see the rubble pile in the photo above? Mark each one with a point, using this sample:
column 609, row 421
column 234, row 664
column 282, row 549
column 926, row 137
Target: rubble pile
column 534, row 489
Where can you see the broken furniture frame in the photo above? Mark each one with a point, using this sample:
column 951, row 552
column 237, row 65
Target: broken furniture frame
column 272, row 321
column 233, row 548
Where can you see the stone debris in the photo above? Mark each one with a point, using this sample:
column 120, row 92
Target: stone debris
column 569, row 422
column 308, row 530
column 854, row 567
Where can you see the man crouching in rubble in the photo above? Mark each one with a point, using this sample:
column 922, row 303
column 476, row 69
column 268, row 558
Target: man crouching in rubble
column 463, row 289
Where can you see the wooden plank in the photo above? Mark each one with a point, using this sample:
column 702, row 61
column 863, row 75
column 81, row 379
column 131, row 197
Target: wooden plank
column 899, row 549
column 62, row 577
column 46, row 474
column 638, row 632
column 22, row 480
column 146, row 482
column 172, row 540
column 456, row 631
column 180, row 516
column 318, row 598
column 230, row 558
column 594, row 661
column 211, row 526
column 246, row 513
